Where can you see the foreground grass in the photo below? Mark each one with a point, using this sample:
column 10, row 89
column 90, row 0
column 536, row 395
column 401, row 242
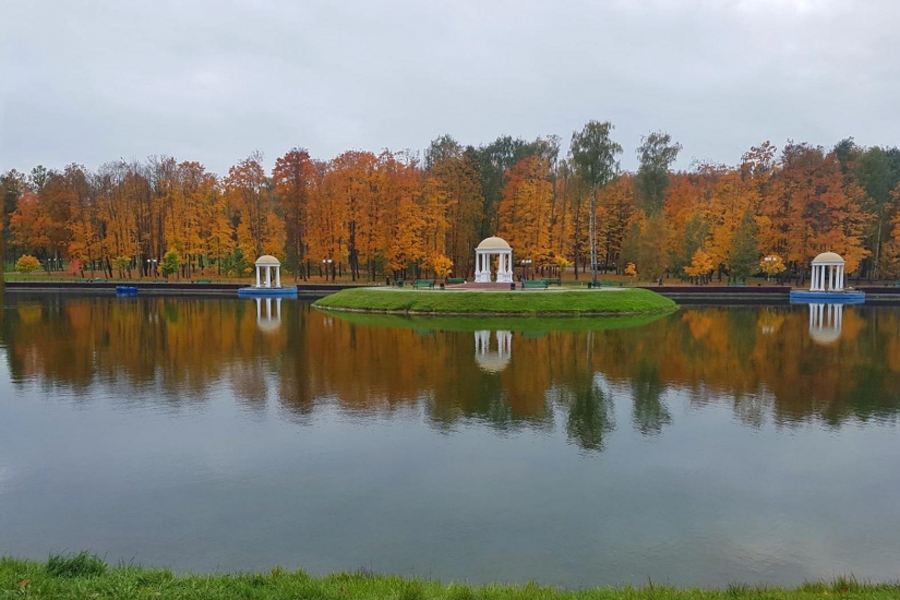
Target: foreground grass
column 85, row 576
column 519, row 302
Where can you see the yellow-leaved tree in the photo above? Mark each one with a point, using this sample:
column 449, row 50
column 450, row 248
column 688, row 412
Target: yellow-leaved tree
column 701, row 266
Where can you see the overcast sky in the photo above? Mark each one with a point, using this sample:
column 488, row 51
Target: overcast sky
column 212, row 81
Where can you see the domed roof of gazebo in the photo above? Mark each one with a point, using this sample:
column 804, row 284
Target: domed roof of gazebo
column 825, row 335
column 269, row 325
column 492, row 362
column 493, row 243
column 828, row 258
column 267, row 259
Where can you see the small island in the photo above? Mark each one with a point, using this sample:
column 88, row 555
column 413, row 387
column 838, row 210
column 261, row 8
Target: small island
column 555, row 302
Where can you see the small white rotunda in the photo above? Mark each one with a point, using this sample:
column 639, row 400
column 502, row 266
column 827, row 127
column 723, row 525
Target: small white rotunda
column 268, row 263
column 484, row 253
column 827, row 273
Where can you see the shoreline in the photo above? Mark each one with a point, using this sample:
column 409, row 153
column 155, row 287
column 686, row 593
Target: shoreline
column 418, row 313
column 680, row 294
column 76, row 576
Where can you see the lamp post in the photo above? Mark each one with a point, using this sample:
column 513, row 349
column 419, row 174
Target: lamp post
column 328, row 264
column 525, row 263
column 769, row 260
column 151, row 266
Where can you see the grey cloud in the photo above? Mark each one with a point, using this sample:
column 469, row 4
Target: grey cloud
column 212, row 81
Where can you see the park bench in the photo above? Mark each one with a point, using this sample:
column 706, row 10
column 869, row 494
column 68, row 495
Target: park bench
column 203, row 281
column 423, row 283
column 454, row 280
column 100, row 280
column 534, row 283
column 554, row 281
column 737, row 283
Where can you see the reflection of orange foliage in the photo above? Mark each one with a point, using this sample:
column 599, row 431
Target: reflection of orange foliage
column 762, row 359
column 30, row 313
column 699, row 323
column 770, row 321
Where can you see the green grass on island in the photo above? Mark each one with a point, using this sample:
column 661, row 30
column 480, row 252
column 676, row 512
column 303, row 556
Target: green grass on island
column 520, row 302
column 81, row 576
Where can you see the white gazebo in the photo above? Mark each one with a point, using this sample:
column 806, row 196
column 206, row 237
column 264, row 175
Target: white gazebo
column 827, row 273
column 484, row 253
column 268, row 263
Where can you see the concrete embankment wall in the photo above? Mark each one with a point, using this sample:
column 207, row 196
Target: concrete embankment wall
column 161, row 289
column 758, row 294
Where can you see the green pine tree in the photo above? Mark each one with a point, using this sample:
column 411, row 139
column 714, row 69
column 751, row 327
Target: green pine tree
column 743, row 260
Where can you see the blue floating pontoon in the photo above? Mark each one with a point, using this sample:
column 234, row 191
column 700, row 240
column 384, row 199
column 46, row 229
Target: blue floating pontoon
column 842, row 297
column 126, row 290
column 267, row 292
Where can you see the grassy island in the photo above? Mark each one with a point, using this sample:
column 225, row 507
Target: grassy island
column 86, row 576
column 459, row 302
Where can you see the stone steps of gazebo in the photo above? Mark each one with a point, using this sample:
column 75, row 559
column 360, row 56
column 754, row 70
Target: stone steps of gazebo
column 471, row 285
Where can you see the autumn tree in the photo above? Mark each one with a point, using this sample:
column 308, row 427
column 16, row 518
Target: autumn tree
column 260, row 229
column 27, row 264
column 653, row 255
column 455, row 173
column 293, row 179
column 656, row 153
column 701, row 265
column 525, row 210
column 594, row 157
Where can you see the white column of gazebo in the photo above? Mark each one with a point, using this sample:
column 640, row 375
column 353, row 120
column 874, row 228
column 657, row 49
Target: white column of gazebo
column 268, row 264
column 484, row 253
column 827, row 273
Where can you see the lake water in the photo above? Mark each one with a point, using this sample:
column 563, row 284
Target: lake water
column 708, row 446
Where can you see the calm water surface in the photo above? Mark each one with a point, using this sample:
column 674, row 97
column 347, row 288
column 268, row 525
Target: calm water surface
column 709, row 446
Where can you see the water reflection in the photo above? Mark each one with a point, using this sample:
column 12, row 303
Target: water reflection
column 767, row 364
column 825, row 322
column 493, row 361
column 267, row 319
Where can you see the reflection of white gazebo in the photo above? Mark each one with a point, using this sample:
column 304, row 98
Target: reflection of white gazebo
column 268, row 320
column 827, row 273
column 825, row 321
column 486, row 250
column 493, row 361
column 268, row 263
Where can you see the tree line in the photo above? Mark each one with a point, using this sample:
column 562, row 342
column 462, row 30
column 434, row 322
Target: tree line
column 398, row 214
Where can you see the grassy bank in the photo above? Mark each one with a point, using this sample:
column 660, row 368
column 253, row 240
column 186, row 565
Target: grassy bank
column 528, row 324
column 574, row 303
column 84, row 576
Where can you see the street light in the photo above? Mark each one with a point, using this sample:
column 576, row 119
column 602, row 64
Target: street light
column 151, row 266
column 525, row 263
column 328, row 263
column 769, row 260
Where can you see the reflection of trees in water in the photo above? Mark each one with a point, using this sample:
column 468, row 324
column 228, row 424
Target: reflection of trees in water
column 762, row 361
column 591, row 415
column 649, row 412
